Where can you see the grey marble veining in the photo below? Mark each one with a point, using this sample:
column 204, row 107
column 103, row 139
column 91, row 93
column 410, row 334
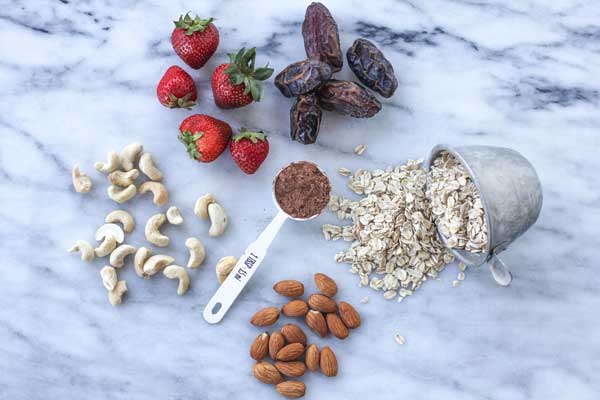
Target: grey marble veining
column 78, row 79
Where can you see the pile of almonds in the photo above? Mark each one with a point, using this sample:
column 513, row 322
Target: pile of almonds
column 286, row 347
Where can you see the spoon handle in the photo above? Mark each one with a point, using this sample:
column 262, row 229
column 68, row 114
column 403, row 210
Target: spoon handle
column 246, row 266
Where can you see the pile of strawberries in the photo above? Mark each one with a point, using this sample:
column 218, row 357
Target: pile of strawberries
column 234, row 84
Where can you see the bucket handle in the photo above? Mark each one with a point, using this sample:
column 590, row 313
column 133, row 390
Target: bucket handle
column 498, row 268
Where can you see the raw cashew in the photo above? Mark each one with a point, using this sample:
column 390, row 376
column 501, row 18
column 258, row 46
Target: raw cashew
column 141, row 255
column 109, row 277
column 152, row 231
column 201, row 206
column 218, row 219
column 149, row 169
column 81, row 182
column 197, row 252
column 110, row 229
column 123, row 217
column 109, row 166
column 129, row 155
column 115, row 296
column 177, row 272
column 123, row 179
column 159, row 191
column 224, row 267
column 155, row 263
column 117, row 257
column 121, row 195
column 106, row 247
column 86, row 250
column 174, row 216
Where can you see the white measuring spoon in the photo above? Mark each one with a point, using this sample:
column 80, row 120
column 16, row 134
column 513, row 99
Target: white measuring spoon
column 248, row 263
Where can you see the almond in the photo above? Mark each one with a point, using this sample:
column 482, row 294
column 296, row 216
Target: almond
column 322, row 303
column 291, row 368
column 325, row 284
column 291, row 389
column 349, row 315
column 289, row 288
column 336, row 326
column 328, row 362
column 290, row 352
column 295, row 308
column 266, row 316
column 260, row 346
column 294, row 334
column 312, row 357
column 276, row 343
column 267, row 373
column 316, row 323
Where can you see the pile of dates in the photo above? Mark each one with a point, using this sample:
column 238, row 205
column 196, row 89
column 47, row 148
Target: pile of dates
column 311, row 80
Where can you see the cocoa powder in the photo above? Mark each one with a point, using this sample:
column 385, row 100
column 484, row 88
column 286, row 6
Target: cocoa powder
column 301, row 190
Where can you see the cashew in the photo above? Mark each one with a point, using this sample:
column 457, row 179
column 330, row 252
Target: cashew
column 121, row 195
column 109, row 277
column 159, row 191
column 129, row 155
column 106, row 247
column 141, row 255
column 115, row 296
column 224, row 267
column 123, row 179
column 117, row 257
column 149, row 169
column 177, row 272
column 218, row 219
column 174, row 216
column 156, row 263
column 109, row 166
column 201, row 206
column 152, row 231
column 110, row 229
column 81, row 182
column 86, row 250
column 123, row 217
column 197, row 252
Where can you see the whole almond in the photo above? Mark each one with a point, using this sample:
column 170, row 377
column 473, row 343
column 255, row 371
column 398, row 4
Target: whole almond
column 336, row 326
column 267, row 373
column 289, row 288
column 291, row 389
column 276, row 343
column 291, row 368
column 293, row 334
column 290, row 352
column 325, row 284
column 260, row 346
column 349, row 315
column 265, row 317
column 312, row 357
column 328, row 362
column 295, row 308
column 322, row 303
column 316, row 322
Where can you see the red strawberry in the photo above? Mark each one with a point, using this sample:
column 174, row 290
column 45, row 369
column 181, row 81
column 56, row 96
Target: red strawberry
column 195, row 40
column 176, row 89
column 249, row 149
column 204, row 137
column 237, row 83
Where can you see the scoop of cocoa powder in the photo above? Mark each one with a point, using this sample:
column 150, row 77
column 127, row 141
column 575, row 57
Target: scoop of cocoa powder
column 301, row 190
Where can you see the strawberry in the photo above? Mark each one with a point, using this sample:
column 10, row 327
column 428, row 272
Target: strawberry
column 249, row 149
column 195, row 40
column 237, row 83
column 176, row 89
column 204, row 137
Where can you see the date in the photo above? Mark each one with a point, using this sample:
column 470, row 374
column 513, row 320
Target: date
column 348, row 98
column 305, row 119
column 302, row 77
column 321, row 37
column 372, row 68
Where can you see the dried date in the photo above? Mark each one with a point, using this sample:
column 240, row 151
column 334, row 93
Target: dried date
column 372, row 68
column 321, row 37
column 305, row 119
column 348, row 98
column 302, row 77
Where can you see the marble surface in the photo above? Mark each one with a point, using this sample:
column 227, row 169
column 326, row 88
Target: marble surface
column 78, row 79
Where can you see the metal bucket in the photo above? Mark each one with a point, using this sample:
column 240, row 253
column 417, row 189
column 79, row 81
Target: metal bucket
column 511, row 194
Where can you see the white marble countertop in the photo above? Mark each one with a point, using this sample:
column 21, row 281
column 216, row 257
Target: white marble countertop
column 78, row 79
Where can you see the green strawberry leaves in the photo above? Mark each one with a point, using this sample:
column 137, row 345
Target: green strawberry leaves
column 253, row 136
column 183, row 102
column 241, row 71
column 192, row 25
column 189, row 141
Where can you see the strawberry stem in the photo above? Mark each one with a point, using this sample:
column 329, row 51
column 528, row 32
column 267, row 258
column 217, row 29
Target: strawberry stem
column 192, row 25
column 183, row 102
column 253, row 136
column 241, row 71
column 189, row 141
